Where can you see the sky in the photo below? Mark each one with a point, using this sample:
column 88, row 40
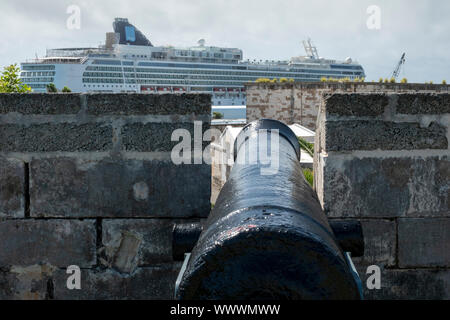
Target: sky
column 263, row 29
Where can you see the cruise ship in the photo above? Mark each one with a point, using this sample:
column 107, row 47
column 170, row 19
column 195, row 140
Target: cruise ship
column 129, row 62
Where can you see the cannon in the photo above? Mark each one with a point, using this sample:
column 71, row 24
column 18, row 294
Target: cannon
column 267, row 236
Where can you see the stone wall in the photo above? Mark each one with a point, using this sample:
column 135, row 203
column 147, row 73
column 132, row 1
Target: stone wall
column 87, row 180
column 385, row 159
column 299, row 102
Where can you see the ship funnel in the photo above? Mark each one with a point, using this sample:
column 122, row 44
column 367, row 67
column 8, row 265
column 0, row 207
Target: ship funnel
column 129, row 34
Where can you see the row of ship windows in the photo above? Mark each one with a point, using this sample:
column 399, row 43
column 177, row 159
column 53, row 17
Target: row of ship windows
column 217, row 95
column 166, row 81
column 102, row 74
column 163, row 55
column 37, row 74
column 27, row 80
column 107, row 86
column 168, row 76
column 190, row 53
column 238, row 67
column 177, row 82
column 204, row 82
column 92, row 68
column 244, row 76
column 37, row 86
column 196, row 67
column 101, row 80
column 39, row 67
column 182, row 79
column 243, row 73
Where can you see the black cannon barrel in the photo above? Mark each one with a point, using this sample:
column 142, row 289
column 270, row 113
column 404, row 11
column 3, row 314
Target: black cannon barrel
column 267, row 236
column 348, row 234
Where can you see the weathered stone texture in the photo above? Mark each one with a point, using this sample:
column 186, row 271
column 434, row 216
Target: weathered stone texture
column 65, row 187
column 12, row 187
column 299, row 102
column 424, row 242
column 85, row 158
column 50, row 137
column 372, row 162
column 154, row 283
column 26, row 283
column 387, row 187
column 423, row 103
column 155, row 245
column 412, row 284
column 356, row 104
column 157, row 136
column 148, row 104
column 372, row 135
column 40, row 103
column 59, row 243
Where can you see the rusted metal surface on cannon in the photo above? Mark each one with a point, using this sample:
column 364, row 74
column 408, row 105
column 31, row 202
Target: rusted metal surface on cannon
column 267, row 236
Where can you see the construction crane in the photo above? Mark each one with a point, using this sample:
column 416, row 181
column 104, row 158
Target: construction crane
column 396, row 72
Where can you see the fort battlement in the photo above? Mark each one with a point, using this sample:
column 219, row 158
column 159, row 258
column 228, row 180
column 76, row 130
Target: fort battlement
column 87, row 180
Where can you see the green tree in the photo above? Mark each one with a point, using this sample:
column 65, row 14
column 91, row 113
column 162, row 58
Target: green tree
column 404, row 80
column 307, row 146
column 217, row 115
column 51, row 88
column 66, row 89
column 444, row 82
column 10, row 81
column 309, row 176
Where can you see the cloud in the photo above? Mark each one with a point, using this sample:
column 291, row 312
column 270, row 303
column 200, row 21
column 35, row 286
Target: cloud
column 263, row 29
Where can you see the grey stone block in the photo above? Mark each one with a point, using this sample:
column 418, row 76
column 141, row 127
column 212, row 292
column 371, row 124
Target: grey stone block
column 49, row 137
column 65, row 187
column 59, row 243
column 40, row 103
column 372, row 135
column 12, row 186
column 27, row 283
column 155, row 245
column 153, row 283
column 155, row 136
column 408, row 285
column 355, row 104
column 389, row 187
column 423, row 103
column 424, row 242
column 147, row 104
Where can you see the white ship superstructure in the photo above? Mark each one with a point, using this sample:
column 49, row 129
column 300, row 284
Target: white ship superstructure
column 128, row 62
